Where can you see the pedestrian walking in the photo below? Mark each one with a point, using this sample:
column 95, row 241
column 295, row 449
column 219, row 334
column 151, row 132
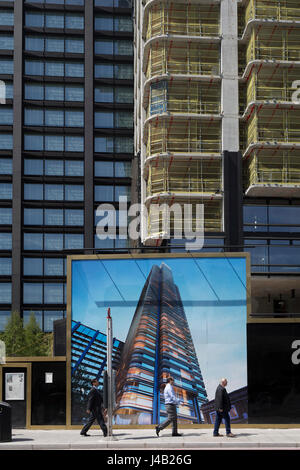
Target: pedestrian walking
column 94, row 409
column 171, row 403
column 222, row 408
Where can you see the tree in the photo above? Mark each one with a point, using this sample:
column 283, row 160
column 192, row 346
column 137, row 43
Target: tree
column 14, row 336
column 28, row 341
column 34, row 338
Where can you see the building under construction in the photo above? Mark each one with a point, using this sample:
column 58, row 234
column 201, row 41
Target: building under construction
column 212, row 77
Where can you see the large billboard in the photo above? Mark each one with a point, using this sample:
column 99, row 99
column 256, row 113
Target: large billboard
column 183, row 315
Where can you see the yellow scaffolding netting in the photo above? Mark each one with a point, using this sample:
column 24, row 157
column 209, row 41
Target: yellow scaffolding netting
column 274, row 125
column 274, row 42
column 184, row 176
column 276, row 84
column 182, row 19
column 272, row 9
column 212, row 216
column 265, row 167
column 184, row 97
column 186, row 58
column 183, row 136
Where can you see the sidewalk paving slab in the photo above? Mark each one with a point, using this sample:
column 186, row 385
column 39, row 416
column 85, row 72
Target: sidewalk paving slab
column 145, row 439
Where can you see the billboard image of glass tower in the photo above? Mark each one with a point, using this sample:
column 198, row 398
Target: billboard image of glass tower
column 158, row 344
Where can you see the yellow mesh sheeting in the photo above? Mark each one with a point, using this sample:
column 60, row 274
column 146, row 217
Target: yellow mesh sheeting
column 183, row 19
column 183, row 176
column 183, row 136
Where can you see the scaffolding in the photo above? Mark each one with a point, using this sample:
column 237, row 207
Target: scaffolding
column 273, row 167
column 189, row 97
column 184, row 176
column 166, row 56
column 188, row 136
column 212, row 216
column 270, row 115
column 182, row 100
column 184, row 19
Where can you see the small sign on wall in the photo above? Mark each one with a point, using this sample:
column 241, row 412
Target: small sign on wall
column 49, row 377
column 14, row 386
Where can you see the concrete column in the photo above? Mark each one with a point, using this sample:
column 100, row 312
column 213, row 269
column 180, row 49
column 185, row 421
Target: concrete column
column 89, row 127
column 17, row 159
column 229, row 72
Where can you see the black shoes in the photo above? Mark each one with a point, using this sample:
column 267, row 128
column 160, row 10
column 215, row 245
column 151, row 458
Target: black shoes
column 84, row 434
column 176, row 434
column 218, row 435
column 157, row 430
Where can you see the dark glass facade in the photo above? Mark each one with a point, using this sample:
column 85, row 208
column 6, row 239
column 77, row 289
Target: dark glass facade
column 66, row 141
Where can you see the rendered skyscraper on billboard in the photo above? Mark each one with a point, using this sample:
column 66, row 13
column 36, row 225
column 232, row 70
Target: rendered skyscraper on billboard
column 158, row 344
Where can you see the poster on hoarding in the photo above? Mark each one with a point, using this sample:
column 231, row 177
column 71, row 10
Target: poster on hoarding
column 14, row 386
column 183, row 316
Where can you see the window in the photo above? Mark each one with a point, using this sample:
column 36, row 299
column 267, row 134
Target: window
column 6, row 141
column 5, row 191
column 5, row 266
column 33, row 192
column 33, row 266
column 5, row 215
column 6, row 18
column 5, row 293
column 33, row 241
column 53, row 167
column 123, row 169
column 32, row 293
column 110, row 47
column 33, row 167
column 104, row 193
column 5, row 241
column 104, row 169
column 6, row 42
column 54, row 19
column 104, row 144
column 6, row 66
column 106, row 94
column 4, row 318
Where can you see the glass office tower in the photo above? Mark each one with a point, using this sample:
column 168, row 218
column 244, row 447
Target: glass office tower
column 158, row 344
column 66, row 140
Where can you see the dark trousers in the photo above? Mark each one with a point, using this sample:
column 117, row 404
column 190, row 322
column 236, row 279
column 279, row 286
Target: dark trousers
column 95, row 415
column 222, row 415
column 172, row 418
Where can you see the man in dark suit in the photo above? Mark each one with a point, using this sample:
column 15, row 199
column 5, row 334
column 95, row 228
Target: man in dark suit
column 222, row 407
column 94, row 409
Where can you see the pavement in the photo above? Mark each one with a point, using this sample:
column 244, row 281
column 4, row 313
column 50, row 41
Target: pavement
column 145, row 439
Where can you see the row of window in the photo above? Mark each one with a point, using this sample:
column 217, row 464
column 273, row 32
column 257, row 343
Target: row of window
column 36, row 266
column 37, row 142
column 272, row 218
column 113, row 23
column 274, row 255
column 71, row 143
column 44, row 241
column 53, row 117
column 60, row 92
column 52, row 192
column 54, row 44
column 44, row 318
column 59, row 68
column 57, row 20
column 57, row 242
column 54, row 217
column 35, row 293
column 69, row 45
column 113, row 47
column 117, row 169
column 100, row 3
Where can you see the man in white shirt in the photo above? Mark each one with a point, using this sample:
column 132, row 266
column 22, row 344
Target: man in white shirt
column 171, row 403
